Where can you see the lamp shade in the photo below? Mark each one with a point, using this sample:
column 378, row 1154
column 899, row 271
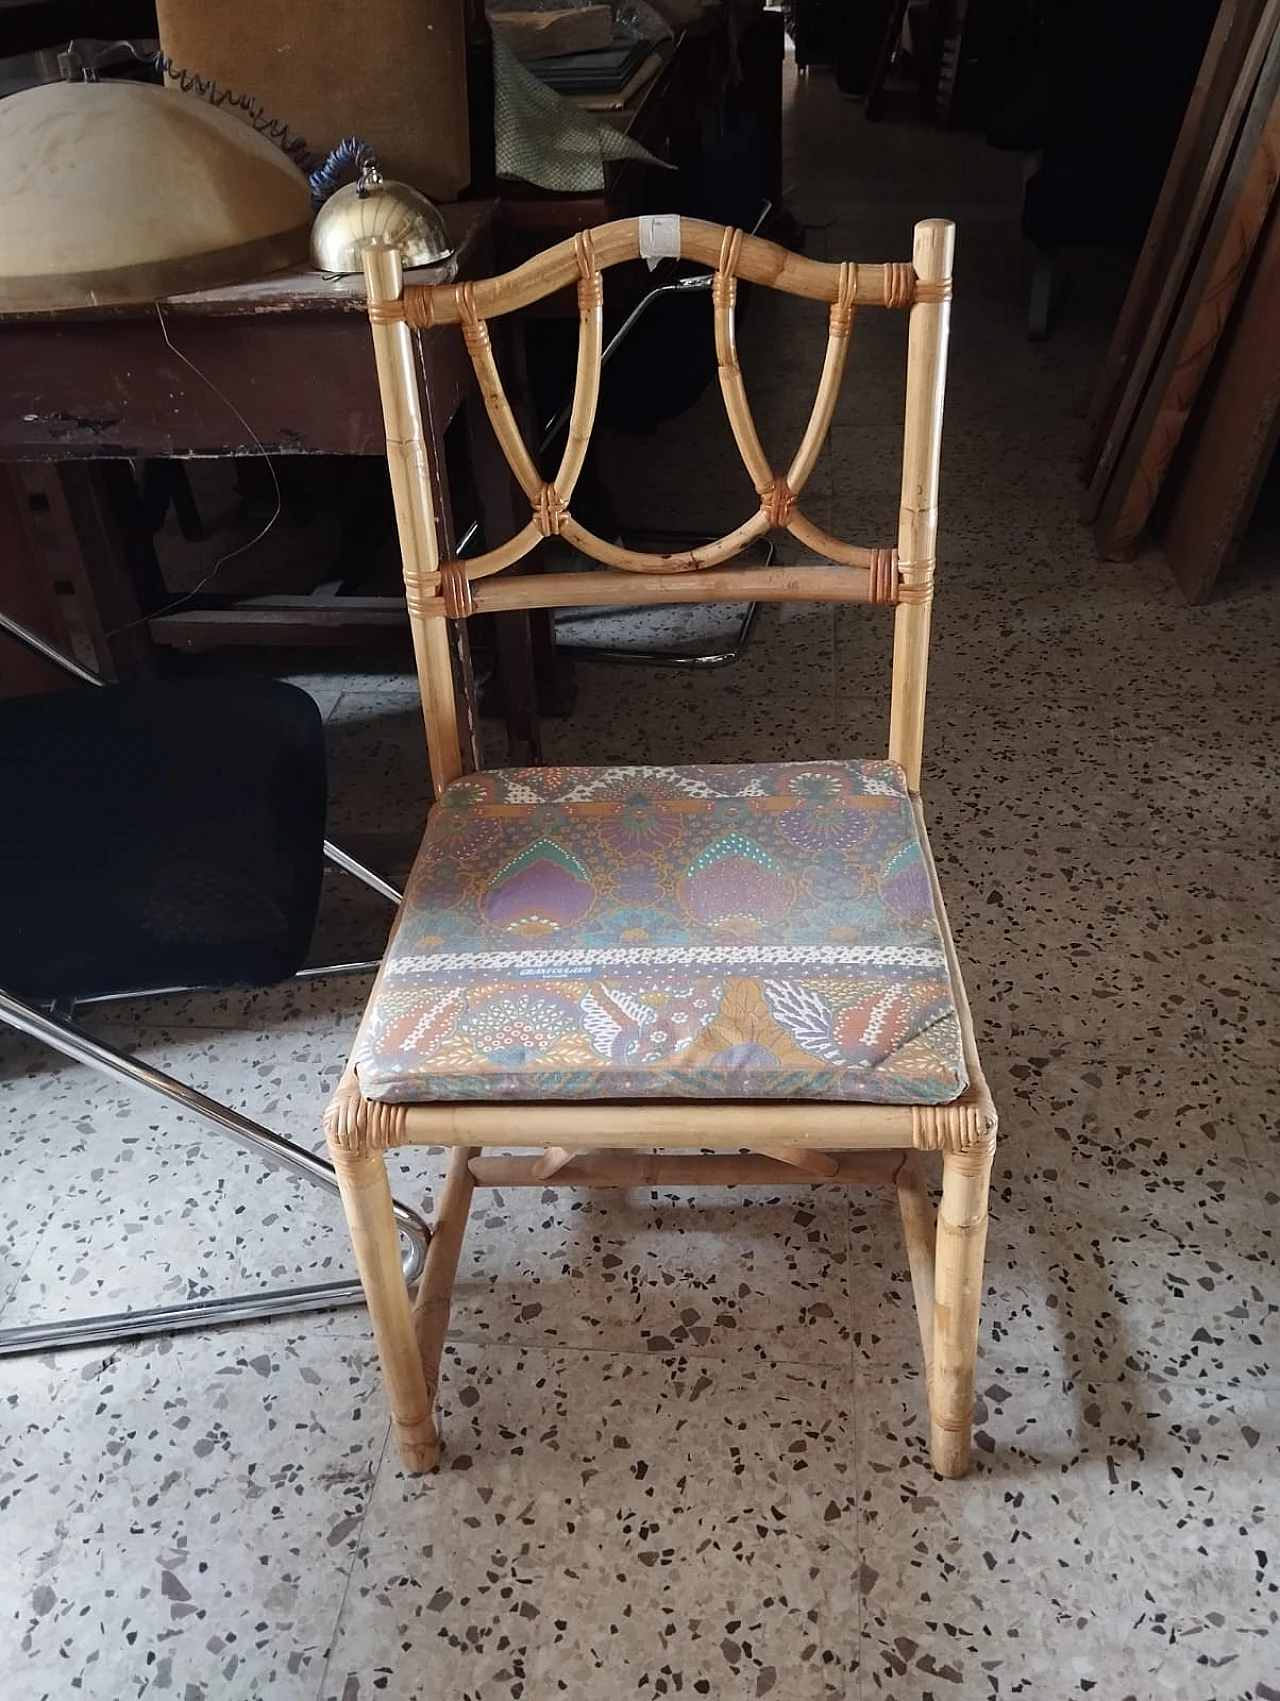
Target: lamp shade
column 124, row 192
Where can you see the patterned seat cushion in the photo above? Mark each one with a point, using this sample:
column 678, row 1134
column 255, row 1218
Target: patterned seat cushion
column 751, row 932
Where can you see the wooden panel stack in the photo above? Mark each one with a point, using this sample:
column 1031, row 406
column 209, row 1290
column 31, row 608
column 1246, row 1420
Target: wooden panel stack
column 1182, row 422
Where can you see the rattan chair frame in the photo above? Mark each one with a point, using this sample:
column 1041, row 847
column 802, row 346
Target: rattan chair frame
column 651, row 1143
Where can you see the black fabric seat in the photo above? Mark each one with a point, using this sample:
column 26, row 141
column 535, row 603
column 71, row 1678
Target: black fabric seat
column 160, row 834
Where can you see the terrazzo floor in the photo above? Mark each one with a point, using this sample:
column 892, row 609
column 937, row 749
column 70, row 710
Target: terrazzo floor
column 685, row 1442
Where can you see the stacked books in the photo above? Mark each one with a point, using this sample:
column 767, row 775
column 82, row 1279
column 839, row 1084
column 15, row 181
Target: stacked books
column 605, row 71
column 579, row 51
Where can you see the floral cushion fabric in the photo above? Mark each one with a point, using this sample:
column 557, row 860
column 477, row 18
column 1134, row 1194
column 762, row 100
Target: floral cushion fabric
column 707, row 932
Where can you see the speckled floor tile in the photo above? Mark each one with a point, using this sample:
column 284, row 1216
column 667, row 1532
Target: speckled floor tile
column 376, row 750
column 1239, row 993
column 121, row 1201
column 324, row 689
column 1100, row 1263
column 610, row 1525
column 778, row 699
column 1035, row 774
column 1091, row 1291
column 1253, row 1090
column 1111, row 1542
column 717, row 1273
column 208, row 1505
column 1067, row 941
column 198, row 1519
column 1192, row 793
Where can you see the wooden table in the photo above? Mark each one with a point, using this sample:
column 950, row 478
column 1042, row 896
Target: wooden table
column 285, row 364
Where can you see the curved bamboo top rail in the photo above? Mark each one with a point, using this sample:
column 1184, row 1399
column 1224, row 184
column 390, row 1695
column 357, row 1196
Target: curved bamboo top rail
column 870, row 574
column 760, row 262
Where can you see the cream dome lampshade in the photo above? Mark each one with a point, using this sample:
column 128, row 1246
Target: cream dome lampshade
column 119, row 192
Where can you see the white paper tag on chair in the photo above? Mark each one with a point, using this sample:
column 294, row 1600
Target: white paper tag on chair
column 659, row 237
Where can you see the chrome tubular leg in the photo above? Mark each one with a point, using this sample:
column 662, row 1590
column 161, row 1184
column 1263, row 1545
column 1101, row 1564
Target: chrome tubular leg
column 349, row 865
column 194, row 1314
column 313, row 971
column 41, row 647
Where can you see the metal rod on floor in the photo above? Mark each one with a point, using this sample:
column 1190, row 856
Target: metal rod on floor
column 313, row 971
column 119, row 1065
column 112, row 1327
column 349, row 865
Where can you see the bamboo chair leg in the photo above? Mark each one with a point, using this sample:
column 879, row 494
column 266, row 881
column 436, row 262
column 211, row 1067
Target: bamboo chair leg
column 919, row 1232
column 435, row 1291
column 962, row 1239
column 366, row 1195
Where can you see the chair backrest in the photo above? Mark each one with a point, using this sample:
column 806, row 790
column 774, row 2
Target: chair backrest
column 439, row 591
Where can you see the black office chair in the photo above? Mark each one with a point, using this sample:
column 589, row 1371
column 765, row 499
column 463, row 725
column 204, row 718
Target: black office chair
column 164, row 836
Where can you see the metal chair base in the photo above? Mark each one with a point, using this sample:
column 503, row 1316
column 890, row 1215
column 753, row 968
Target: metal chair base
column 72, row 1042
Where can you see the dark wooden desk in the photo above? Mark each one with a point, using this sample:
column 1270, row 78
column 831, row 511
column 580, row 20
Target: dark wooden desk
column 27, row 26
column 287, row 366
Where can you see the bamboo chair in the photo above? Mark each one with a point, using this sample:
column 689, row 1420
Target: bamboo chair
column 855, row 1107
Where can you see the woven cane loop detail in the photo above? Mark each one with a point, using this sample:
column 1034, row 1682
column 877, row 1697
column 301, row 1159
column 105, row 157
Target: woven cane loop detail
column 356, row 1126
column 899, row 285
column 475, row 333
column 778, row 502
column 548, row 511
column 422, row 604
column 724, row 285
column 932, row 290
column 915, row 581
column 590, row 278
column 455, row 591
column 418, row 306
column 842, row 309
column 949, row 1128
column 884, row 588
column 386, row 312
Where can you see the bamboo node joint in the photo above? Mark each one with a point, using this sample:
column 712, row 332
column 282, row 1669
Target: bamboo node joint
column 417, row 307
column 931, row 291
column 475, row 333
column 422, row 599
column 590, row 277
column 724, row 286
